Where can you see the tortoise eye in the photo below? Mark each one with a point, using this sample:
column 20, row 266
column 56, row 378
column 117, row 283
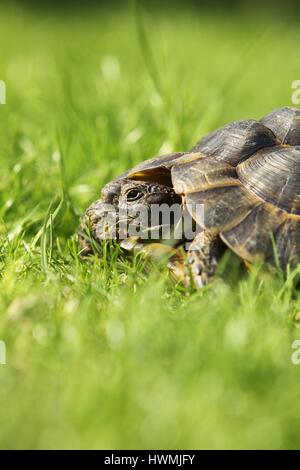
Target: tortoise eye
column 133, row 194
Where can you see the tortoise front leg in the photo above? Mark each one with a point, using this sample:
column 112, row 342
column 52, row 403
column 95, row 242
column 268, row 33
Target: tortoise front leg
column 195, row 267
column 203, row 257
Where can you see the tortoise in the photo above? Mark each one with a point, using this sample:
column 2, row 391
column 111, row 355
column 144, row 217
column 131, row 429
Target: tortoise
column 245, row 176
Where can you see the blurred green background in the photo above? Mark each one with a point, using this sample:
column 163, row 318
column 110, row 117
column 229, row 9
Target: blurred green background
column 100, row 354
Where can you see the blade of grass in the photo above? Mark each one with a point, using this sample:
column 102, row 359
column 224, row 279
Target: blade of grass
column 47, row 222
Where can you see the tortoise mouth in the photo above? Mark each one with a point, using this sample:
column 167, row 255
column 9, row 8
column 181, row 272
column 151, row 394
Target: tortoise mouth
column 169, row 225
column 156, row 222
column 146, row 223
column 147, row 211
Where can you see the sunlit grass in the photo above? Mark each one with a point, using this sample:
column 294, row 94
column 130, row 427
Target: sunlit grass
column 101, row 354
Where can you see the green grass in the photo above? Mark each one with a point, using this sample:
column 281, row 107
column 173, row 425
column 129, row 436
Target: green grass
column 99, row 353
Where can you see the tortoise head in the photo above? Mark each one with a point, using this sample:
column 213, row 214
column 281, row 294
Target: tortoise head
column 130, row 208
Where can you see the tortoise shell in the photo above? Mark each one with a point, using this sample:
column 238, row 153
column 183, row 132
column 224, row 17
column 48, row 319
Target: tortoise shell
column 247, row 176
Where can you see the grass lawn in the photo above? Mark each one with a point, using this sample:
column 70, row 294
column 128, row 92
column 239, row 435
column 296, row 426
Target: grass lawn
column 101, row 354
